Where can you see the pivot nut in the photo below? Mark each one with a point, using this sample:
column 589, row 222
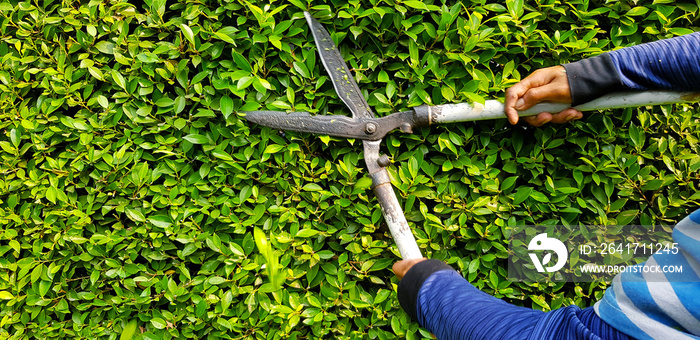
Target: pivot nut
column 370, row 128
column 383, row 161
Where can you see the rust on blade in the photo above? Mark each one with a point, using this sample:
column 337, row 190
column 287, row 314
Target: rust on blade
column 691, row 97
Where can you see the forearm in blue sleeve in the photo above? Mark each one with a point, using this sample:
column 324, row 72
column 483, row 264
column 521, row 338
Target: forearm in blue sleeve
column 452, row 308
column 446, row 304
column 671, row 64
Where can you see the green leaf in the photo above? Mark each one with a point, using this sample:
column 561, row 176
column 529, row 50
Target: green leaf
column 416, row 4
column 160, row 221
column 681, row 31
column 102, row 100
column 225, row 34
column 201, row 308
column 179, row 123
column 312, row 187
column 44, row 287
column 307, row 233
column 222, row 155
column 538, row 196
column 15, row 137
column 508, row 183
column 158, row 323
column 51, row 194
column 129, row 330
column 180, row 103
column 639, row 10
column 28, row 125
column 274, row 148
column 149, row 336
column 196, row 139
column 383, row 77
column 216, row 280
column 226, row 104
column 244, row 82
column 521, row 195
column 135, row 215
column 36, row 272
column 495, row 7
column 105, row 47
column 119, row 79
column 242, row 62
column 261, row 241
column 515, row 8
column 95, row 72
column 654, row 184
column 363, row 183
column 187, row 32
column 626, row 217
column 164, row 102
column 5, row 295
column 147, row 57
column 301, row 69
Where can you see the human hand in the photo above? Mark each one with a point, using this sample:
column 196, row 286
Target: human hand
column 401, row 268
column 547, row 84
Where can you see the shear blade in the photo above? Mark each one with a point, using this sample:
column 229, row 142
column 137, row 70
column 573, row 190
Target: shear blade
column 343, row 81
column 334, row 125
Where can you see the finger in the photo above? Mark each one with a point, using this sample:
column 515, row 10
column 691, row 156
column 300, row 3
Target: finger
column 514, row 98
column 512, row 115
column 553, row 92
column 566, row 116
column 514, row 94
column 402, row 267
column 539, row 119
column 399, row 268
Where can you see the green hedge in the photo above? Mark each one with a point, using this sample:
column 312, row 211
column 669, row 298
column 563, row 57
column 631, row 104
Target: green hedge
column 130, row 187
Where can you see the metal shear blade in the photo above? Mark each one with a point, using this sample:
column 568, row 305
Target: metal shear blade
column 343, row 81
column 362, row 125
column 335, row 125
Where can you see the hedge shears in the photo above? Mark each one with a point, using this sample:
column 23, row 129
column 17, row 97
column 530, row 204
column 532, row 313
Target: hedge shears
column 365, row 126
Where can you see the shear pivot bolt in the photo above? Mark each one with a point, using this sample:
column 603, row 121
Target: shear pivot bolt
column 370, row 128
column 383, row 161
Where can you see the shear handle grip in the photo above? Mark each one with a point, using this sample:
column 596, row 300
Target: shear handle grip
column 493, row 109
column 396, row 221
column 391, row 209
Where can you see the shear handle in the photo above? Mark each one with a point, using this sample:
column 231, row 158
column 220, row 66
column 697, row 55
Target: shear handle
column 493, row 109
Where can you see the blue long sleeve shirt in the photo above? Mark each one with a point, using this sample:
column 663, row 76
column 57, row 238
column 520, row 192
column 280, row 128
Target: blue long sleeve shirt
column 671, row 64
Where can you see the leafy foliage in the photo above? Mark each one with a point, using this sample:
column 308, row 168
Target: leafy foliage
column 131, row 186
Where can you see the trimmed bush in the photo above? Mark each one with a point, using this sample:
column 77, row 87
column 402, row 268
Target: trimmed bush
column 136, row 202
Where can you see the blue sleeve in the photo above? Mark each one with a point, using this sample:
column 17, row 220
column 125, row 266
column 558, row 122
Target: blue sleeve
column 671, row 64
column 451, row 308
column 446, row 304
